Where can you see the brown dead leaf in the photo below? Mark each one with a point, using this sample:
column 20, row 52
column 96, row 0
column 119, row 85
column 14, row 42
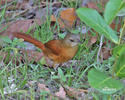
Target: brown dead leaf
column 31, row 55
column 66, row 19
column 113, row 26
column 27, row 55
column 75, row 93
column 53, row 4
column 92, row 5
column 42, row 13
column 25, row 4
column 44, row 10
column 103, row 2
column 42, row 87
column 61, row 93
column 2, row 2
column 20, row 25
column 92, row 40
column 105, row 53
column 53, row 18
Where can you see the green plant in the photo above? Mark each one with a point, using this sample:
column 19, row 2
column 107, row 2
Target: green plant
column 71, row 3
column 96, row 78
column 11, row 45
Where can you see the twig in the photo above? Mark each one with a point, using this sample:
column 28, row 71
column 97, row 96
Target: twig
column 100, row 47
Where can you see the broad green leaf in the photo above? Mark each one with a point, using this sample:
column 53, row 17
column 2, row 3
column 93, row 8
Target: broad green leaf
column 111, row 10
column 103, row 83
column 120, row 65
column 122, row 10
column 123, row 5
column 93, row 19
column 118, row 50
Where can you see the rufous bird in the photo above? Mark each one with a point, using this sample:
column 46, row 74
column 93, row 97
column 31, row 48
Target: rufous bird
column 59, row 51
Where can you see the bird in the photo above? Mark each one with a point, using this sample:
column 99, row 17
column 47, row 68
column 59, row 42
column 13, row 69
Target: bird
column 57, row 50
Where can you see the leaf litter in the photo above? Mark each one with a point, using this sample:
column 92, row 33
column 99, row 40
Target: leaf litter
column 27, row 15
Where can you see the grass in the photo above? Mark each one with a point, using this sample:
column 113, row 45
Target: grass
column 28, row 72
column 71, row 3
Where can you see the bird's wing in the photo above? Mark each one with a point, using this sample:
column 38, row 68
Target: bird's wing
column 54, row 46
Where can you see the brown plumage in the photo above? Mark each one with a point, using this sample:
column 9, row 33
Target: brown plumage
column 58, row 51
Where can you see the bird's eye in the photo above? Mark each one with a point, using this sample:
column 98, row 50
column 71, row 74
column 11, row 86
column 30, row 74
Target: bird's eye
column 71, row 40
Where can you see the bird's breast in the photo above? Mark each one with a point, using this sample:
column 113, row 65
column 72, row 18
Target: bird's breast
column 66, row 54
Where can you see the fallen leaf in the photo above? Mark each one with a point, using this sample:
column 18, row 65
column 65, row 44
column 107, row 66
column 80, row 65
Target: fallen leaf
column 75, row 93
column 42, row 87
column 42, row 13
column 46, row 9
column 105, row 53
column 61, row 93
column 24, row 4
column 32, row 55
column 103, row 2
column 36, row 56
column 25, row 55
column 56, row 4
column 66, row 19
column 2, row 2
column 113, row 26
column 92, row 40
column 20, row 25
column 92, row 5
